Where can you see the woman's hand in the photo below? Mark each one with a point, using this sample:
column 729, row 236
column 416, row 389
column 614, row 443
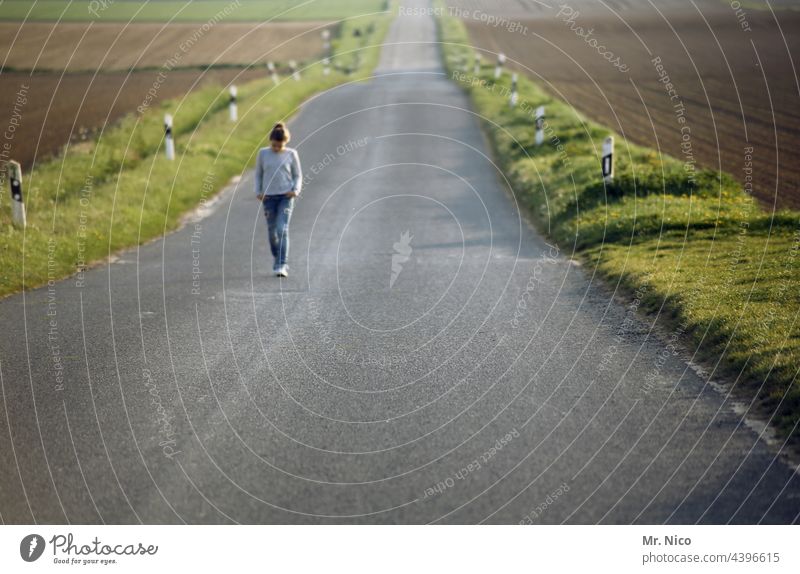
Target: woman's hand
column 260, row 197
column 291, row 194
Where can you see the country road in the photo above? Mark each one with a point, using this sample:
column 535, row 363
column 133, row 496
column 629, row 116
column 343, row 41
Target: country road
column 429, row 359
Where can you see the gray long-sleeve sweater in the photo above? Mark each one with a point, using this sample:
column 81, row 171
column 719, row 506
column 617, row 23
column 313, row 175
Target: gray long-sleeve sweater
column 278, row 173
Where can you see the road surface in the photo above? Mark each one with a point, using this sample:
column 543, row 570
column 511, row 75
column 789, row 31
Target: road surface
column 430, row 358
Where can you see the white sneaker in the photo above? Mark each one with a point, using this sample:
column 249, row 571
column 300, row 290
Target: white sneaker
column 282, row 271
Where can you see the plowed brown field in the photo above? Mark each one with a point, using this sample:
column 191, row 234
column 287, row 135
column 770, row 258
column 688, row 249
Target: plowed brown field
column 733, row 72
column 111, row 46
column 43, row 113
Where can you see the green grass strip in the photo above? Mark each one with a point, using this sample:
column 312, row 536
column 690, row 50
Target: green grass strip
column 187, row 11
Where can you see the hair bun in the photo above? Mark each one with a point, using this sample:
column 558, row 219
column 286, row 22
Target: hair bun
column 280, row 133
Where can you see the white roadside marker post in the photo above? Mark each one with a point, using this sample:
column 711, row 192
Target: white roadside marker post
column 539, row 125
column 326, row 62
column 498, row 70
column 295, row 73
column 608, row 159
column 326, row 41
column 477, row 64
column 169, row 143
column 17, row 202
column 271, row 67
column 514, row 95
column 232, row 106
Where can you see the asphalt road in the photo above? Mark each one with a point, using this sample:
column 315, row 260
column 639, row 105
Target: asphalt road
column 429, row 359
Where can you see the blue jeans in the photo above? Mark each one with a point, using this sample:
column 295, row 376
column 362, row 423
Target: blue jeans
column 278, row 211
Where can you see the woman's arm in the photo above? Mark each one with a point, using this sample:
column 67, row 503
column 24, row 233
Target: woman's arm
column 259, row 176
column 297, row 174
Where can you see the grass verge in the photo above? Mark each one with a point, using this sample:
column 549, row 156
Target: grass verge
column 186, row 10
column 722, row 272
column 119, row 190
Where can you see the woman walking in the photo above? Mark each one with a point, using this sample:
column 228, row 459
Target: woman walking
column 279, row 181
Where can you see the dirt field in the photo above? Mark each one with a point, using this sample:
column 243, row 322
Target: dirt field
column 38, row 111
column 731, row 71
column 91, row 46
